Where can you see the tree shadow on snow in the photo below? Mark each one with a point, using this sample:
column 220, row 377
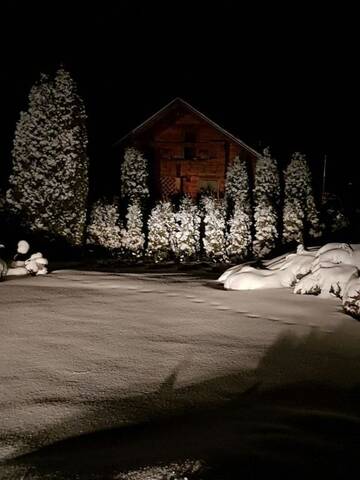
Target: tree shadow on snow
column 298, row 413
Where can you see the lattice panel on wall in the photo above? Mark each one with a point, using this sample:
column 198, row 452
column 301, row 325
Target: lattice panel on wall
column 168, row 186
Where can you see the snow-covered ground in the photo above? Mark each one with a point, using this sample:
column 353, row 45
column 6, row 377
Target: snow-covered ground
column 87, row 351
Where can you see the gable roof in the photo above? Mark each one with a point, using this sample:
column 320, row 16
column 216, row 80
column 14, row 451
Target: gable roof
column 179, row 101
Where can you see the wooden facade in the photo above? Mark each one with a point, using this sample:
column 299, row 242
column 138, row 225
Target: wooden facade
column 188, row 152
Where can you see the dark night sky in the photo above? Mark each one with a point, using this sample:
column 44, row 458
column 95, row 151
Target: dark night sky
column 284, row 77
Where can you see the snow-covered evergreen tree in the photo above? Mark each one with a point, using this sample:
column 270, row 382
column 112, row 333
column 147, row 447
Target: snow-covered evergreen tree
column 238, row 238
column 214, row 240
column 161, row 231
column 133, row 237
column 104, row 228
column 299, row 207
column 237, row 185
column 266, row 199
column 187, row 232
column 134, row 176
column 49, row 181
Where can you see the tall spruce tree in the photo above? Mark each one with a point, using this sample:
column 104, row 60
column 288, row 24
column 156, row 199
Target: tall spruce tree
column 266, row 199
column 300, row 216
column 49, row 181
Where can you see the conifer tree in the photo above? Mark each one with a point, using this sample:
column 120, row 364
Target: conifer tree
column 161, row 232
column 300, row 212
column 134, row 176
column 237, row 185
column 49, row 180
column 214, row 241
column 133, row 237
column 187, row 231
column 266, row 199
column 104, row 228
column 238, row 239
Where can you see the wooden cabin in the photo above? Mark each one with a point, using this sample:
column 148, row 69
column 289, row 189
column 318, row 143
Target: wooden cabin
column 187, row 152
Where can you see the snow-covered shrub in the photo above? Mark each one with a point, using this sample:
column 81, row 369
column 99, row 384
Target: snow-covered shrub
column 214, row 240
column 299, row 208
column 237, row 185
column 351, row 298
column 187, row 230
column 238, row 237
column 161, row 231
column 104, row 228
column 133, row 237
column 266, row 199
column 49, row 180
column 134, row 176
column 327, row 279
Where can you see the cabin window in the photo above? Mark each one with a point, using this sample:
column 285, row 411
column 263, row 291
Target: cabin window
column 189, row 153
column 189, row 136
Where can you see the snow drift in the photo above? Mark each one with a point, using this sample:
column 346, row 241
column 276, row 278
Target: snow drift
column 332, row 270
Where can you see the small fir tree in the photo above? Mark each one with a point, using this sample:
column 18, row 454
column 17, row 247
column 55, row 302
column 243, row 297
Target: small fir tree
column 104, row 228
column 187, row 232
column 161, row 232
column 134, row 176
column 214, row 241
column 133, row 237
column 239, row 234
column 299, row 206
column 237, row 185
column 266, row 199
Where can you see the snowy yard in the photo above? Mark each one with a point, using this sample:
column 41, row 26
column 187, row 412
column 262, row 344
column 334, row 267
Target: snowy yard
column 83, row 351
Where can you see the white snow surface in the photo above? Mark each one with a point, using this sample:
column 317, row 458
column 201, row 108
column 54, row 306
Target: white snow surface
column 84, row 351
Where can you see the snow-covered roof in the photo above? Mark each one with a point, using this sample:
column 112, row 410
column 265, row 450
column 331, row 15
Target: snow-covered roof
column 189, row 107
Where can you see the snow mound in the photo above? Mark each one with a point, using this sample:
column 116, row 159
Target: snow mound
column 36, row 264
column 332, row 270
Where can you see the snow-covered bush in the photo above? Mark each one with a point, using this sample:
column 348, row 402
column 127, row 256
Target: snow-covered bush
column 49, row 180
column 133, row 237
column 299, row 208
column 104, row 228
column 351, row 298
column 238, row 237
column 214, row 240
column 266, row 199
column 186, row 242
column 134, row 176
column 161, row 231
